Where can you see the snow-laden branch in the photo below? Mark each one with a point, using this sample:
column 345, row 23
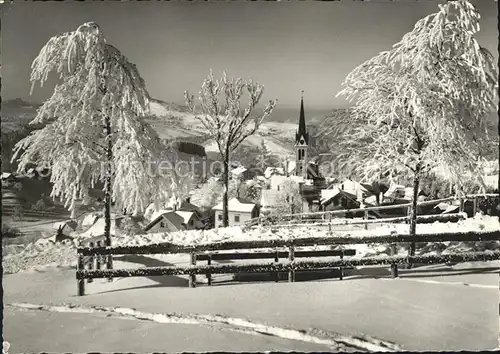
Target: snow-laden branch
column 424, row 102
column 228, row 124
column 98, row 85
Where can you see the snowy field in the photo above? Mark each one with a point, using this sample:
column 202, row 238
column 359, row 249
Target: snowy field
column 428, row 308
column 44, row 252
column 438, row 308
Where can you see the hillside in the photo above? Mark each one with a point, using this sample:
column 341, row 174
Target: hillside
column 171, row 122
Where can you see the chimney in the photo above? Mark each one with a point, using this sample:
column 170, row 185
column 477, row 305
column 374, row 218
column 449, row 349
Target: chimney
column 188, row 200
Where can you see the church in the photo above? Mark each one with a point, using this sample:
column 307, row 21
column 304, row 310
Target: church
column 302, row 169
column 305, row 167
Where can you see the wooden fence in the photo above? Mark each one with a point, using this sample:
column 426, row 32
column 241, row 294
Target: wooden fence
column 86, row 253
column 348, row 222
column 328, row 214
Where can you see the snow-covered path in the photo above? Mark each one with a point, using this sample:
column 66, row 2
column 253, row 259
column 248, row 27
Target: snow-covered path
column 421, row 311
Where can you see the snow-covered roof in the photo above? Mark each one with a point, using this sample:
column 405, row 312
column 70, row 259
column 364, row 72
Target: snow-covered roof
column 89, row 219
column 268, row 172
column 327, row 194
column 186, row 215
column 291, row 166
column 340, row 192
column 372, row 199
column 442, row 206
column 175, row 219
column 235, row 205
column 238, row 170
column 98, row 229
column 273, row 170
column 451, row 209
column 62, row 224
column 158, row 213
column 6, row 175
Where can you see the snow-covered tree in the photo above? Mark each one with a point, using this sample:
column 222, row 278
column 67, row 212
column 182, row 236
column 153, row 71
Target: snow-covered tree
column 421, row 105
column 210, row 193
column 225, row 121
column 288, row 199
column 94, row 131
column 250, row 191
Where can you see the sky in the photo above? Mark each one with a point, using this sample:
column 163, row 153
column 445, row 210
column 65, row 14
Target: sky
column 286, row 46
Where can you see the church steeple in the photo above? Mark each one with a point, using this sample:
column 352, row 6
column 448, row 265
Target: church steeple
column 302, row 132
column 301, row 143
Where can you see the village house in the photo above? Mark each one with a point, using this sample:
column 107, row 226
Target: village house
column 96, row 231
column 339, row 199
column 65, row 227
column 172, row 221
column 239, row 211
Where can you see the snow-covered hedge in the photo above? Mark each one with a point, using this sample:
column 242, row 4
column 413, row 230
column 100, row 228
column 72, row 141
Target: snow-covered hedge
column 44, row 252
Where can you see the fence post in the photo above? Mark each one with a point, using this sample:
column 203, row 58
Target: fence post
column 81, row 281
column 192, row 277
column 98, row 257
column 330, row 222
column 109, row 264
column 341, row 268
column 276, row 260
column 394, row 266
column 366, row 218
column 209, row 275
column 90, row 262
column 291, row 258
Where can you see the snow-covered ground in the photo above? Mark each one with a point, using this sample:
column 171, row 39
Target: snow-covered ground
column 432, row 309
column 45, row 252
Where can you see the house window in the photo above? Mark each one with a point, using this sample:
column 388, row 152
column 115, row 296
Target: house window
column 162, row 224
column 236, row 218
column 220, row 217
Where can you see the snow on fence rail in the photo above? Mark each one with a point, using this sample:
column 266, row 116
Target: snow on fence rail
column 422, row 218
column 259, row 220
column 291, row 266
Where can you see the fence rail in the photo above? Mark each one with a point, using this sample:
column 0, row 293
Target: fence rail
column 331, row 240
column 291, row 266
column 461, row 199
column 287, row 266
column 348, row 222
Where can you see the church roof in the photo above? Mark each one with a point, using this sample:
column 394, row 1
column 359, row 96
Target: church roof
column 302, row 132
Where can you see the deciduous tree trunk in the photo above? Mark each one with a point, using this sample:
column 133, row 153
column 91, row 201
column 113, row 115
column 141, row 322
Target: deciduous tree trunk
column 107, row 189
column 225, row 212
column 413, row 212
column 498, row 181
